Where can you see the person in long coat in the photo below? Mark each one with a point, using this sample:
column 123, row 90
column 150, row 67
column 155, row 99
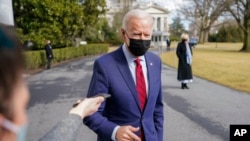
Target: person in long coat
column 184, row 54
column 168, row 41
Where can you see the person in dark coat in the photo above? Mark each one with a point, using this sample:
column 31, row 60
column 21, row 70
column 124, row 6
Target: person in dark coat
column 184, row 54
column 49, row 53
column 168, row 44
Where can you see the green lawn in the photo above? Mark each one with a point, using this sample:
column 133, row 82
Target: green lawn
column 223, row 64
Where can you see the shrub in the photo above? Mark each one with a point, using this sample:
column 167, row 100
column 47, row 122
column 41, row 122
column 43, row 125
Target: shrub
column 37, row 59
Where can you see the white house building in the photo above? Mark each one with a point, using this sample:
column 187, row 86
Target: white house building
column 159, row 14
column 161, row 25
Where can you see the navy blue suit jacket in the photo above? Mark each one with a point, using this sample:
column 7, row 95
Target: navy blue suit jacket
column 112, row 75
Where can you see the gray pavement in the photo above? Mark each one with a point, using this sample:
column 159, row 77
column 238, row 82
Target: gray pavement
column 203, row 112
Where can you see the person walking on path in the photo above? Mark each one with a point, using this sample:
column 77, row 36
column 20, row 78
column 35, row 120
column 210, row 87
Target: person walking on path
column 49, row 53
column 168, row 42
column 184, row 54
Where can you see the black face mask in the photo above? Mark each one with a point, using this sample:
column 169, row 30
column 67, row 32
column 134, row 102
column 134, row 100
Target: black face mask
column 138, row 47
column 184, row 40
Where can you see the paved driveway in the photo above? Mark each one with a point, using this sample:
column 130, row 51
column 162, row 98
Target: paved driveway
column 202, row 113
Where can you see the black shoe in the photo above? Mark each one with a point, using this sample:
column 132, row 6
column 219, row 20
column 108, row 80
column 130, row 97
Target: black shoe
column 185, row 86
column 182, row 86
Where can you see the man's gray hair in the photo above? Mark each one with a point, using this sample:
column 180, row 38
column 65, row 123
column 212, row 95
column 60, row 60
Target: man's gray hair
column 136, row 13
column 184, row 36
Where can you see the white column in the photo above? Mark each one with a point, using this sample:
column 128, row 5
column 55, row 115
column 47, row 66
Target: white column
column 155, row 24
column 158, row 23
column 167, row 24
column 162, row 22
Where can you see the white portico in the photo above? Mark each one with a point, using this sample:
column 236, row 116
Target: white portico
column 159, row 14
column 160, row 18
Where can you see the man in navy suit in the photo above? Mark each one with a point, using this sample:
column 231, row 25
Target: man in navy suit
column 132, row 76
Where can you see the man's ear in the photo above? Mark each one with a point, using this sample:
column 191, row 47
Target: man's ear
column 123, row 31
column 123, row 34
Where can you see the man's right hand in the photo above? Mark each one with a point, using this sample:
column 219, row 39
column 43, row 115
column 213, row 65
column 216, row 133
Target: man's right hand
column 126, row 133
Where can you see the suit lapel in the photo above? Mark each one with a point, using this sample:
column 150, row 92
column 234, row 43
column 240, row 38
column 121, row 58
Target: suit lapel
column 150, row 67
column 126, row 74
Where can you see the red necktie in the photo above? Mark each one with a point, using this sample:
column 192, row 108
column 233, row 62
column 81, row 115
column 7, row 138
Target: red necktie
column 141, row 89
column 140, row 84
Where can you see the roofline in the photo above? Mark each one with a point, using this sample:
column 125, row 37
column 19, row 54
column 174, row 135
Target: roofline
column 153, row 6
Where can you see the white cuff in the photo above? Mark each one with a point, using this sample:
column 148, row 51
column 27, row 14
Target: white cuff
column 114, row 133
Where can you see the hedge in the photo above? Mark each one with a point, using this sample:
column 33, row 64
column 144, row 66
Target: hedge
column 37, row 59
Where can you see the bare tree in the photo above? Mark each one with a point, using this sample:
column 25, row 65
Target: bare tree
column 124, row 7
column 240, row 10
column 203, row 14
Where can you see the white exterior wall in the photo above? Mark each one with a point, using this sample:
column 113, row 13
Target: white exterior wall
column 156, row 13
column 162, row 15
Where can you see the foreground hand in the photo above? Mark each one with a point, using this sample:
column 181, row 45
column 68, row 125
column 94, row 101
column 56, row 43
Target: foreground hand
column 126, row 133
column 87, row 107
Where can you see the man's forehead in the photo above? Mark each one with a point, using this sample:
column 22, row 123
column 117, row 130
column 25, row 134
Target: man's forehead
column 136, row 26
column 139, row 29
column 139, row 21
